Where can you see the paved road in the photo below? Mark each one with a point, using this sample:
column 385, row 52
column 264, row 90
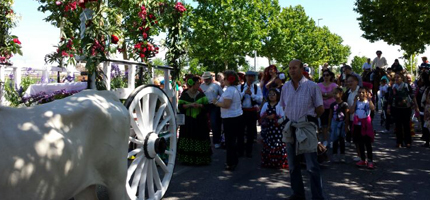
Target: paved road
column 399, row 174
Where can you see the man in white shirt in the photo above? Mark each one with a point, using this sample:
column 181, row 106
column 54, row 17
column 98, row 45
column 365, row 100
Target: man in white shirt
column 379, row 61
column 367, row 65
column 251, row 99
column 213, row 91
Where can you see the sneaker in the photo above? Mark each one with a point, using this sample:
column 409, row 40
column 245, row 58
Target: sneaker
column 361, row 163
column 370, row 165
column 217, row 146
column 356, row 158
column 342, row 158
column 325, row 143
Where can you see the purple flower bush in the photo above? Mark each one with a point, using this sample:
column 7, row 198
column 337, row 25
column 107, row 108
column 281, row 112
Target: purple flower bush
column 42, row 97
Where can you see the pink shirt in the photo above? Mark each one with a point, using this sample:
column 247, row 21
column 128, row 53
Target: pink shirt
column 328, row 89
column 300, row 102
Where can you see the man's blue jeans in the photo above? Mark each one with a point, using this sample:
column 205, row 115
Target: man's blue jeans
column 215, row 119
column 296, row 179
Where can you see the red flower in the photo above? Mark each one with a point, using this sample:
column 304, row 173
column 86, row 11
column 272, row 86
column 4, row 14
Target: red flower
column 180, row 7
column 64, row 54
column 142, row 55
column 142, row 13
column 231, row 79
column 71, row 55
column 114, row 39
column 16, row 41
column 151, row 16
column 145, row 35
column 138, row 45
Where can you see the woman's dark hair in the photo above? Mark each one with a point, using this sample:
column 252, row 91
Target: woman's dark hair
column 229, row 75
column 260, row 76
column 353, row 77
column 401, row 76
column 330, row 73
column 364, row 88
column 278, row 95
column 266, row 75
column 338, row 89
column 195, row 79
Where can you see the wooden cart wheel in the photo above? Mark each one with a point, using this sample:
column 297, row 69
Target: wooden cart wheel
column 153, row 138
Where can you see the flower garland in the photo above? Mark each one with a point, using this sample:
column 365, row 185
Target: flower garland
column 123, row 26
column 9, row 44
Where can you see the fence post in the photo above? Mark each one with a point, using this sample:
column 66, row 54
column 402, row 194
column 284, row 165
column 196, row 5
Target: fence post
column 106, row 69
column 17, row 76
column 131, row 77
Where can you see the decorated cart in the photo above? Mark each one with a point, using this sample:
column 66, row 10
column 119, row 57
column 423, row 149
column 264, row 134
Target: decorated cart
column 92, row 32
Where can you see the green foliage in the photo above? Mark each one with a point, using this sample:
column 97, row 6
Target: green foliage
column 397, row 22
column 299, row 38
column 221, row 37
column 195, row 67
column 158, row 62
column 224, row 32
column 357, row 64
column 13, row 94
column 411, row 63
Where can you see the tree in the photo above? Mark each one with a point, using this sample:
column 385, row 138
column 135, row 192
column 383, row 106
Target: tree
column 411, row 63
column 396, row 22
column 357, row 63
column 224, row 31
column 297, row 37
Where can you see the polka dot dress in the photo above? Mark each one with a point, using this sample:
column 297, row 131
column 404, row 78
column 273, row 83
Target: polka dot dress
column 274, row 152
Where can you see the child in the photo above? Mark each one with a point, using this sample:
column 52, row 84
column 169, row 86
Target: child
column 362, row 126
column 383, row 90
column 274, row 152
column 338, row 111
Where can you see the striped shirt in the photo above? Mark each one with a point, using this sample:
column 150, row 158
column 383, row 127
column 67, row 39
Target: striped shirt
column 300, row 102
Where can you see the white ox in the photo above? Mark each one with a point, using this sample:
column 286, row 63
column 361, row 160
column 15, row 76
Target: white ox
column 64, row 148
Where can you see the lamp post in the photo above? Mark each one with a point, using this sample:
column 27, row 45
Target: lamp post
column 319, row 21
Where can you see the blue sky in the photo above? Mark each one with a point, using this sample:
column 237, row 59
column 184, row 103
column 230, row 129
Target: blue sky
column 38, row 36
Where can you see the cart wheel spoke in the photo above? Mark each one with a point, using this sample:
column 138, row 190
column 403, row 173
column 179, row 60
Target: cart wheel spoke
column 161, row 164
column 150, row 180
column 137, row 129
column 157, row 179
column 159, row 114
column 137, row 174
column 143, row 180
column 153, row 98
column 167, row 136
column 163, row 123
column 134, row 152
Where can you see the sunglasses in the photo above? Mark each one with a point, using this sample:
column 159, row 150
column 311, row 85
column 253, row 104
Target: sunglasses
column 271, row 95
column 326, row 74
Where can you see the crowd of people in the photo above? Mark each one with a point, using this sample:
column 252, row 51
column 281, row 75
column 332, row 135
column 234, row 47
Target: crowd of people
column 298, row 115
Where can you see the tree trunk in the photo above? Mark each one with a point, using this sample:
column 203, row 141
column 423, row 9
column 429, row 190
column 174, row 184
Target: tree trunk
column 225, row 65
